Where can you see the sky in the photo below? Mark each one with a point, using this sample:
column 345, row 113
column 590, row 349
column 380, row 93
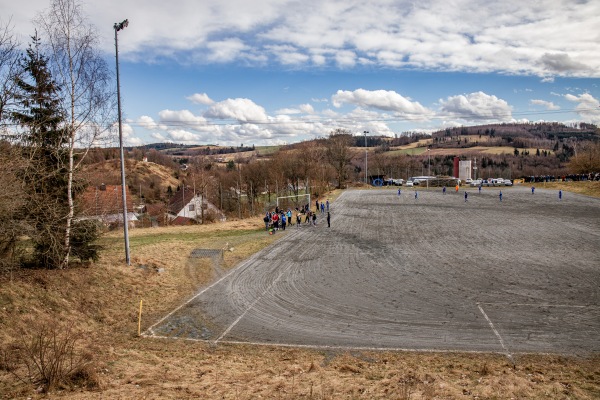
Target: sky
column 270, row 72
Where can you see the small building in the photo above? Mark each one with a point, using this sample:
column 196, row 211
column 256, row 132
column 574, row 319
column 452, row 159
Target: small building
column 187, row 207
column 105, row 204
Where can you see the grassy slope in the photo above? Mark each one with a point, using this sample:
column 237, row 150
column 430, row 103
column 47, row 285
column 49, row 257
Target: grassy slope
column 103, row 302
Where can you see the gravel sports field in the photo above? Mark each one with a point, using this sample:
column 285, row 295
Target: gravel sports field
column 433, row 273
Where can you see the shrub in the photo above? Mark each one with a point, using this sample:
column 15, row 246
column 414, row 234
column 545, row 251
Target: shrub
column 49, row 356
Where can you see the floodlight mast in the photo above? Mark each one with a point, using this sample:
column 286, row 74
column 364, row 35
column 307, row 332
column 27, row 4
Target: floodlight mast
column 117, row 27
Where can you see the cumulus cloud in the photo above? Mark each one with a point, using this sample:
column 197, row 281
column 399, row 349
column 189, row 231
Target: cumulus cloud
column 587, row 107
column 381, row 100
column 183, row 136
column 307, row 109
column 476, row 107
column 181, row 117
column 548, row 105
column 242, row 110
column 200, row 98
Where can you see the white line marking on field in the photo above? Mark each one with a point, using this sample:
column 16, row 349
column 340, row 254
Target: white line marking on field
column 196, row 295
column 497, row 334
column 238, row 319
column 329, row 347
column 538, row 305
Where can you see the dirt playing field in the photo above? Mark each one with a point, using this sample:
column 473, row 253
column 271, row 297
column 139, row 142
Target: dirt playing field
column 514, row 276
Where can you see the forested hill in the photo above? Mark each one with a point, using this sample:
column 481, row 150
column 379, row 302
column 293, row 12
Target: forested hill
column 541, row 130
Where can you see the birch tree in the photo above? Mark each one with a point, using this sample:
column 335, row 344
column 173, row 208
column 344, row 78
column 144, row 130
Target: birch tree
column 87, row 100
column 9, row 69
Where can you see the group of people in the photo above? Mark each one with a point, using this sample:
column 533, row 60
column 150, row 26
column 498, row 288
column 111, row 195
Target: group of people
column 279, row 219
column 467, row 195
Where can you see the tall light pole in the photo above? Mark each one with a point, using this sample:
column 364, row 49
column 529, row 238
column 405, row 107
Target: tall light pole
column 366, row 165
column 428, row 165
column 117, row 27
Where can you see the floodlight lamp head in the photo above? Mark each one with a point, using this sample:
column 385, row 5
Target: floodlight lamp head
column 121, row 25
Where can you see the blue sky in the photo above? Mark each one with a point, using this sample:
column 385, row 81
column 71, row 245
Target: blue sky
column 267, row 72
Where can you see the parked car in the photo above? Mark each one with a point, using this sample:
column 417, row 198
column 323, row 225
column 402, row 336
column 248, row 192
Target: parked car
column 476, row 182
column 409, row 184
column 507, row 182
column 468, row 181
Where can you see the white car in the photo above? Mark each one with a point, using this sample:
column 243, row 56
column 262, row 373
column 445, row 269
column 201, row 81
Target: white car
column 507, row 182
column 476, row 182
column 409, row 184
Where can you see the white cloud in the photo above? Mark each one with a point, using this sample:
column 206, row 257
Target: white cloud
column 307, row 109
column 200, row 98
column 546, row 104
column 183, row 136
column 186, row 118
column 288, row 111
column 559, row 37
column 382, row 100
column 225, row 50
column 476, row 107
column 588, row 107
column 242, row 110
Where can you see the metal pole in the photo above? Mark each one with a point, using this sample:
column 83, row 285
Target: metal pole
column 428, row 167
column 117, row 28
column 366, row 155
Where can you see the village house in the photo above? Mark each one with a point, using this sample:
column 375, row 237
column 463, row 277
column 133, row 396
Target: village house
column 187, row 207
column 105, row 204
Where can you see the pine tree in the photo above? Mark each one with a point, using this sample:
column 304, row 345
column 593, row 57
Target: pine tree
column 42, row 138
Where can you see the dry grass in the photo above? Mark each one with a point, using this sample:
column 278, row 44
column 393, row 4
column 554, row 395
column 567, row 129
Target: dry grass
column 102, row 300
column 588, row 188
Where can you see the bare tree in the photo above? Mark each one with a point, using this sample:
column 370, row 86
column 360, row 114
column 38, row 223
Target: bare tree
column 84, row 77
column 338, row 153
column 586, row 159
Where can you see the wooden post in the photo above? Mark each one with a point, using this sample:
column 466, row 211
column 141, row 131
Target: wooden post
column 140, row 319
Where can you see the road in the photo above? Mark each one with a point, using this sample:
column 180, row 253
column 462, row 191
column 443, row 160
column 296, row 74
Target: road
column 434, row 273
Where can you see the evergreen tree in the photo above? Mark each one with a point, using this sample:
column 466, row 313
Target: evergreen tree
column 43, row 137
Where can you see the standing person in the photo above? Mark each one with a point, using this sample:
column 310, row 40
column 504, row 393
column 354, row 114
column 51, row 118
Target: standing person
column 307, row 220
column 399, row 192
column 444, row 190
column 328, row 220
column 500, row 195
column 327, row 205
column 289, row 217
column 466, row 195
column 480, row 188
column 276, row 221
column 283, row 221
column 416, row 195
column 532, row 189
column 266, row 219
column 298, row 220
column 456, row 188
column 560, row 194
column 317, row 204
column 314, row 219
column 322, row 207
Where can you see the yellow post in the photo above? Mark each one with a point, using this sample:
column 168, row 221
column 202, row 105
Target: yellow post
column 140, row 319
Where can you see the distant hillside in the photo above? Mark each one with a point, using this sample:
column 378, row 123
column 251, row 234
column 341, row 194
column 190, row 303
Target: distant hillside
column 147, row 179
